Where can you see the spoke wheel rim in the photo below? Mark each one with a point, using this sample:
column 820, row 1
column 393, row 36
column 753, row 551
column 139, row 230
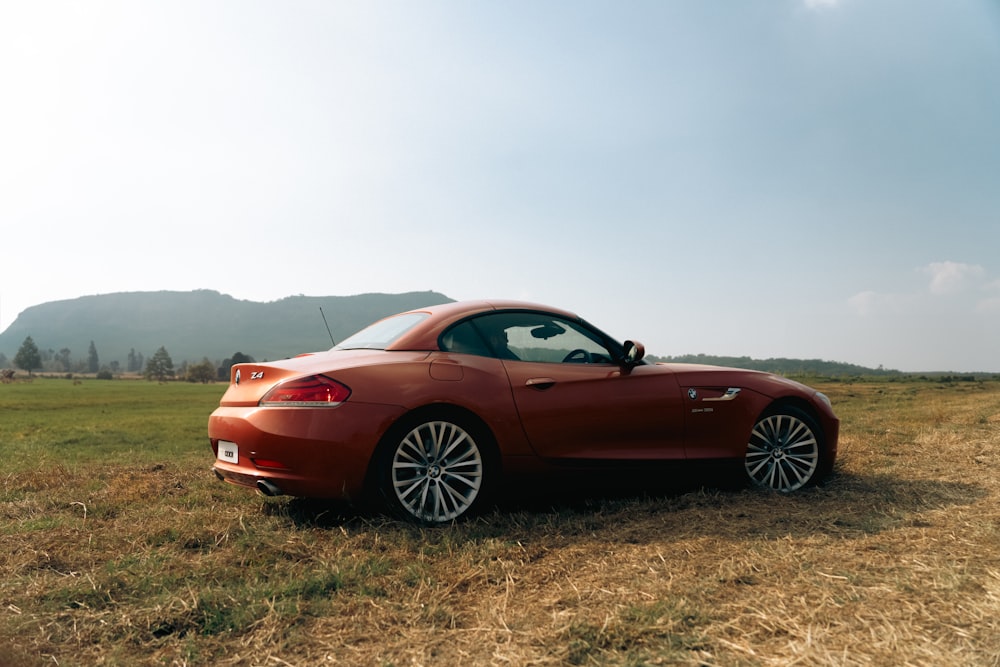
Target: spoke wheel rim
column 783, row 453
column 437, row 471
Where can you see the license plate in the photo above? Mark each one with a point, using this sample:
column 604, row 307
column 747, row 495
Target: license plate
column 229, row 452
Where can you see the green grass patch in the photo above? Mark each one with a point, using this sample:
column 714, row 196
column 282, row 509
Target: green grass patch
column 50, row 422
column 121, row 548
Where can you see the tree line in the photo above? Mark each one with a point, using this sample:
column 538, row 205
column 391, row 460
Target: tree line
column 159, row 367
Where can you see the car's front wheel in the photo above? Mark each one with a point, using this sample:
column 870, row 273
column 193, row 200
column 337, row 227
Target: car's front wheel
column 434, row 470
column 785, row 450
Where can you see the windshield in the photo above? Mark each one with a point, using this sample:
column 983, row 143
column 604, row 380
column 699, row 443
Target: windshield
column 383, row 333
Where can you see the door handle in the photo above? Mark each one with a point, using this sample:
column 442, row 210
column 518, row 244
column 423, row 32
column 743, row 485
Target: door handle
column 730, row 394
column 540, row 383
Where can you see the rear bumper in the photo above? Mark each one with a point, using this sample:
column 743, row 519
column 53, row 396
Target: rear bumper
column 306, row 452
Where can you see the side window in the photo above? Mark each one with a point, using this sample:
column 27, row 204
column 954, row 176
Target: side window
column 465, row 339
column 531, row 337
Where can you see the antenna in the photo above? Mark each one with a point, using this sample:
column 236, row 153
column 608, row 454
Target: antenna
column 327, row 326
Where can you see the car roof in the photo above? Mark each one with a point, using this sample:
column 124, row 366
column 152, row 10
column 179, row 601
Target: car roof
column 424, row 336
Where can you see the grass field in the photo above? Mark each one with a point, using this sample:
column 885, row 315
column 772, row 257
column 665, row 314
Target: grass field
column 120, row 548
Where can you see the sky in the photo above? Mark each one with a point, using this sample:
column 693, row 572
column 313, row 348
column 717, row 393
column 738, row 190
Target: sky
column 782, row 178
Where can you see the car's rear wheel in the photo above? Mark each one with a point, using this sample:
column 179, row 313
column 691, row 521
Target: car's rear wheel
column 785, row 450
column 435, row 469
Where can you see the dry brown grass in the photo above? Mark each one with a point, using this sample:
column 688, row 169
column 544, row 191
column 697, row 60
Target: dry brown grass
column 895, row 561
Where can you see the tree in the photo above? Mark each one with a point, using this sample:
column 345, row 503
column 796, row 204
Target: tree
column 93, row 363
column 28, row 357
column 227, row 365
column 134, row 364
column 160, row 366
column 203, row 372
column 63, row 358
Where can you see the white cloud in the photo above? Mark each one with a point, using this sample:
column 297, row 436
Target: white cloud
column 871, row 302
column 952, row 277
column 864, row 302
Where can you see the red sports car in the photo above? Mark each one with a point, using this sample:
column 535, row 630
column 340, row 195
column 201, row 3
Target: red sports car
column 430, row 407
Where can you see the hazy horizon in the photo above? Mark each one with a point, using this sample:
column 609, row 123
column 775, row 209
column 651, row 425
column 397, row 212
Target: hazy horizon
column 78, row 353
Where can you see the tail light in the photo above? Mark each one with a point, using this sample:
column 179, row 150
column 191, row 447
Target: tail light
column 270, row 464
column 315, row 391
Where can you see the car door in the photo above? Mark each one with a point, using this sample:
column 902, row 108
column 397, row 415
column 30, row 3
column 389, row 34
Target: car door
column 598, row 411
column 574, row 397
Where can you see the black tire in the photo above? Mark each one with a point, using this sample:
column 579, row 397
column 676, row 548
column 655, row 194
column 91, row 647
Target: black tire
column 435, row 468
column 785, row 451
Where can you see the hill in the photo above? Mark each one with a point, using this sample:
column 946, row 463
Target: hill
column 204, row 323
column 199, row 324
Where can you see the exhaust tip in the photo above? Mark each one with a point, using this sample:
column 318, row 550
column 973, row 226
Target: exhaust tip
column 268, row 488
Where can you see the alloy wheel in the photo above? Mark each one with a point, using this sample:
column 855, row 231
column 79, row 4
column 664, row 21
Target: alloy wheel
column 783, row 452
column 437, row 471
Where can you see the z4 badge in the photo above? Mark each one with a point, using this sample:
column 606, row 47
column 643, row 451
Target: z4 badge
column 254, row 375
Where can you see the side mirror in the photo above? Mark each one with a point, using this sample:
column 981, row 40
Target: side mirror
column 633, row 353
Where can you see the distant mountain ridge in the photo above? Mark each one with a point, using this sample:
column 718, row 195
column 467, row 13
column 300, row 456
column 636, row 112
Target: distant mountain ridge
column 781, row 365
column 207, row 324
column 199, row 324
